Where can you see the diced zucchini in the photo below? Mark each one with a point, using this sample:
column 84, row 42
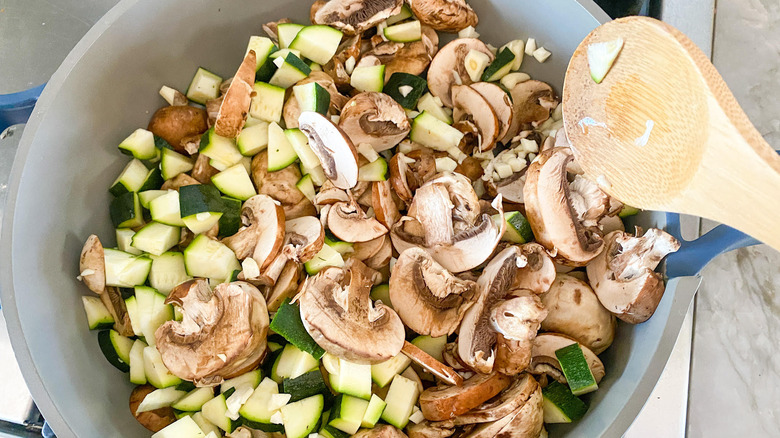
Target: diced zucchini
column 329, row 431
column 318, row 43
column 220, row 149
column 368, row 78
column 431, row 132
column 160, row 398
column 287, row 33
column 137, row 371
column 173, row 163
column 373, row 412
column 148, row 196
column 184, row 427
column 405, row 88
column 383, row 373
column 194, row 400
column 302, row 417
column 326, row 257
column 518, row 230
column 400, row 400
column 209, row 258
column 290, row 71
column 292, row 363
column 230, row 221
column 125, row 270
column 263, row 47
column 287, row 323
column 352, row 378
column 500, row 66
column 124, row 241
column 401, row 16
column 312, row 97
column 131, row 303
column 165, row 209
column 131, row 179
column 116, row 348
column 156, row 238
column 576, row 369
column 434, row 346
column 215, row 411
column 404, row 32
column 253, row 139
column 284, row 52
column 204, row 86
column 252, row 378
column 305, row 385
column 98, row 316
column 374, row 171
column 306, row 186
column 234, row 182
column 280, row 152
column 167, row 272
column 268, row 102
column 628, row 211
column 316, row 173
column 200, row 207
column 300, row 144
column 560, row 405
column 518, row 49
column 433, row 106
column 601, row 56
column 347, row 413
column 206, row 426
column 257, row 408
column 139, row 144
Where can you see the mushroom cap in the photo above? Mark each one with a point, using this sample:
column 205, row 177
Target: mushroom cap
column 531, row 103
column 573, row 309
column 550, row 212
column 348, row 222
column 179, row 181
column 544, row 361
column 469, row 104
column 305, row 236
column 203, row 170
column 222, row 332
column 430, row 300
column 539, row 271
column 235, row 104
column 384, row 204
column 176, row 124
column 412, row 58
column 93, row 259
column 381, row 258
column 500, row 102
column 508, row 401
column 285, row 287
column 262, row 234
column 526, row 422
column 338, row 313
column 445, row 15
column 153, row 420
column 450, row 61
column 623, row 275
column 355, row 16
column 380, row 431
column 426, row 429
column 516, row 320
column 447, row 402
column 410, row 171
column 476, row 337
column 375, row 119
column 333, row 147
column 280, row 185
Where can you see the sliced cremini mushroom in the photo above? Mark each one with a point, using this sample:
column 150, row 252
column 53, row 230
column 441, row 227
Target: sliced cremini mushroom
column 431, row 365
column 412, row 58
column 516, row 321
column 92, row 271
column 222, row 333
column 500, row 102
column 381, row 258
column 153, row 420
column 525, row 422
column 336, row 68
column 338, row 313
column 235, row 104
column 203, row 170
column 365, row 250
column 448, row 67
column 179, row 181
column 445, row 15
column 262, row 233
column 447, row 402
column 573, row 309
column 380, row 431
column 623, row 275
column 333, row 147
column 410, row 171
column 427, row 429
column 532, row 102
column 476, row 337
column 608, row 224
column 348, row 222
column 305, row 237
column 430, row 300
column 280, row 185
column 375, row 119
column 285, row 287
column 507, row 402
column 539, row 271
column 384, row 205
column 544, row 361
column 589, row 202
column 178, row 124
column 355, row 16
column 468, row 104
column 551, row 211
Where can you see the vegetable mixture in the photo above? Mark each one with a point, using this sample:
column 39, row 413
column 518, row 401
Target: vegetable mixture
column 365, row 232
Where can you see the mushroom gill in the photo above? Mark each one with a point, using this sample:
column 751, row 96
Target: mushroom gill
column 355, row 16
column 375, row 119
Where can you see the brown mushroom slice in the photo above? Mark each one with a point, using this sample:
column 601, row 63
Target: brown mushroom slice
column 550, row 211
column 380, row 431
column 430, row 300
column 305, row 237
column 447, row 402
column 465, row 202
column 525, row 422
column 335, row 69
column 333, row 147
column 262, row 233
column 92, row 271
column 175, row 124
column 500, row 102
column 516, row 321
column 285, row 287
column 532, row 102
column 382, row 257
column 179, row 181
column 507, row 402
column 280, row 185
column 348, row 222
column 375, row 119
column 153, row 420
column 427, row 429
column 430, row 364
column 235, row 104
column 573, row 309
column 203, row 170
column 355, row 16
column 408, row 172
column 338, row 313
column 365, row 250
column 539, row 271
column 385, row 207
column 468, row 104
column 433, row 210
column 412, row 58
column 544, row 361
column 476, row 337
column 449, row 63
column 623, row 275
column 445, row 15
column 272, row 28
column 222, row 332
column 330, row 194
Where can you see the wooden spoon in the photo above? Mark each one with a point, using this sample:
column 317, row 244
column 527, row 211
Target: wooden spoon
column 662, row 131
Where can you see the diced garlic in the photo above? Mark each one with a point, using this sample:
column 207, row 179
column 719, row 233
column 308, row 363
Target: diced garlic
column 530, row 46
column 250, row 268
column 278, row 400
column 349, row 65
column 407, row 146
column 456, row 78
column 506, row 156
column 276, row 418
column 411, row 113
column 445, row 164
column 532, row 157
column 476, row 62
column 509, row 81
column 457, row 154
column 417, row 416
column 468, row 32
column 488, row 155
column 168, row 93
column 541, row 54
column 405, row 90
column 504, row 170
column 368, row 151
column 335, row 118
column 517, row 164
column 529, row 145
column 517, row 47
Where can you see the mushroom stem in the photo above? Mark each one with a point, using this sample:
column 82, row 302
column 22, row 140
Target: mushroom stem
column 435, row 367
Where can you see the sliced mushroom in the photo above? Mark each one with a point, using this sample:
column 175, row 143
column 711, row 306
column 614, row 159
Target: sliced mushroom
column 476, row 337
column 544, row 361
column 262, row 233
column 338, row 313
column 516, row 321
column 532, row 102
column 176, row 124
column 623, row 275
column 333, row 147
column 445, row 15
column 500, row 102
column 330, row 194
column 507, row 402
column 589, row 202
column 365, row 250
column 430, row 300
column 410, row 171
column 447, row 402
column 468, row 104
column 526, row 422
column 203, row 171
column 179, row 181
column 305, row 237
column 335, row 68
column 92, row 271
column 235, row 105
column 153, row 420
column 573, row 309
column 431, row 365
column 385, row 207
column 412, row 58
column 285, row 287
column 280, row 185
column 272, row 28
column 449, row 64
column 222, row 333
column 355, row 16
column 551, row 212
column 380, row 431
column 426, row 429
column 539, row 271
column 348, row 222
column 381, row 258
column 375, row 119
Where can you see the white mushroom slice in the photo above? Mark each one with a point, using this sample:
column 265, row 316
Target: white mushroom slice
column 539, row 271
column 348, row 222
column 262, row 233
column 427, row 429
column 531, row 102
column 375, row 119
column 430, row 300
column 445, row 15
column 333, row 147
column 499, row 101
column 623, row 274
column 338, row 313
column 285, row 287
column 92, row 260
column 544, row 361
column 573, row 309
column 280, row 185
column 451, row 58
column 355, row 16
column 516, row 321
column 430, row 364
column 236, row 101
column 468, row 104
column 230, row 321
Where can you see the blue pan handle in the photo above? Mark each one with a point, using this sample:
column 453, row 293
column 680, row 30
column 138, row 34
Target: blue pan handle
column 694, row 255
column 16, row 107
